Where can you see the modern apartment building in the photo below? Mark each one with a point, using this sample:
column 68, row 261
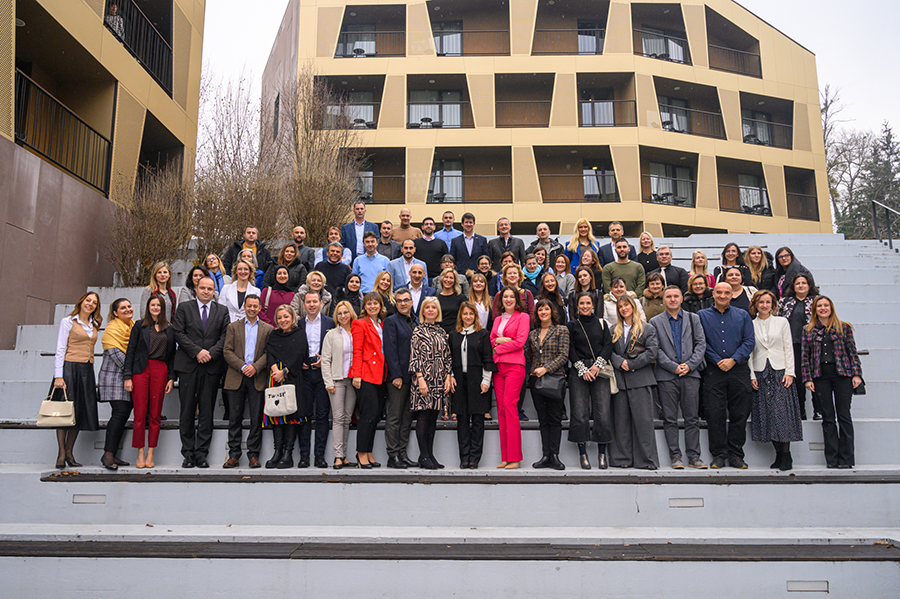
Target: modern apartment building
column 91, row 93
column 674, row 118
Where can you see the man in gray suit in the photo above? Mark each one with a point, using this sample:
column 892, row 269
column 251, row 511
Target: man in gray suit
column 678, row 376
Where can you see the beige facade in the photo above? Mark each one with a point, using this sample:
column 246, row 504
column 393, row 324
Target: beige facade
column 670, row 117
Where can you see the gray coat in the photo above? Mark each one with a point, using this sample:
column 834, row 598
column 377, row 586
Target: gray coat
column 640, row 369
column 693, row 346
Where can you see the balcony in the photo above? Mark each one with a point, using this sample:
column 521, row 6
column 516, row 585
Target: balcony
column 523, row 114
column 593, row 186
column 523, row 100
column 471, row 43
column 142, row 38
column 766, row 133
column 357, row 115
column 747, row 200
column 802, row 201
column 570, row 27
column 802, row 206
column 472, row 189
column 50, row 129
column 694, row 122
column 670, row 190
column 659, row 32
column 735, row 61
column 607, row 113
column 382, row 189
column 439, row 115
column 662, row 47
column 568, row 42
column 370, row 44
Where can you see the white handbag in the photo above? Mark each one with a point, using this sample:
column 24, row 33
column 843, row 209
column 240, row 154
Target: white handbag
column 280, row 400
column 56, row 414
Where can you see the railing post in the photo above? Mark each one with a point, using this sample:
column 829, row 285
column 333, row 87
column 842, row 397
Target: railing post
column 875, row 221
column 887, row 218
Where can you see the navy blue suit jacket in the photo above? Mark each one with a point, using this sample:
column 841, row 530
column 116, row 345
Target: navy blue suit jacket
column 464, row 261
column 348, row 235
column 426, row 292
column 397, row 337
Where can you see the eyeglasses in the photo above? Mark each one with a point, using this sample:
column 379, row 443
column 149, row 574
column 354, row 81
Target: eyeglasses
column 404, row 301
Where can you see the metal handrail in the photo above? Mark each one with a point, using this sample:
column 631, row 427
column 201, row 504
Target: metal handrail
column 733, row 50
column 129, row 32
column 554, row 41
column 625, row 121
column 670, row 198
column 665, row 35
column 61, row 105
column 714, row 119
column 887, row 218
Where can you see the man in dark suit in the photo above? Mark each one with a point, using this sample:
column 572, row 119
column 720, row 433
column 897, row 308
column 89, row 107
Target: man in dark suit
column 317, row 403
column 200, row 332
column 352, row 233
column 398, row 330
column 504, row 242
column 417, row 287
column 672, row 275
column 245, row 380
column 467, row 248
column 682, row 346
column 607, row 251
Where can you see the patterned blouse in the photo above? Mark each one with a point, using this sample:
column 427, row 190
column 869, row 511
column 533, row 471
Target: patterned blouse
column 430, row 355
column 553, row 353
column 846, row 358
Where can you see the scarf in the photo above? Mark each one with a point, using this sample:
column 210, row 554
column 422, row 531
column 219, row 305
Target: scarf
column 116, row 334
column 278, row 286
column 532, row 276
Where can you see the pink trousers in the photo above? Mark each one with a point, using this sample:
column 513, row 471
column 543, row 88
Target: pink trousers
column 508, row 383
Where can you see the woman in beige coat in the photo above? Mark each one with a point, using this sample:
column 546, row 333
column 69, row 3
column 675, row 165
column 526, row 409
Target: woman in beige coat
column 337, row 354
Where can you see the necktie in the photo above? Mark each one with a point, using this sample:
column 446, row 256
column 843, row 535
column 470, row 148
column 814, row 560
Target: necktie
column 203, row 316
column 663, row 272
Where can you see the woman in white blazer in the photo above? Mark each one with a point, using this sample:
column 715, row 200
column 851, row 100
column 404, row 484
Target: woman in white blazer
column 775, row 411
column 337, row 354
column 234, row 293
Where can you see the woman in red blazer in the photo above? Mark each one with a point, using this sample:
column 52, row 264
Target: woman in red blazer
column 508, row 337
column 367, row 371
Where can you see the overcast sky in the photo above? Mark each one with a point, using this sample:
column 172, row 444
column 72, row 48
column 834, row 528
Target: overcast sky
column 852, row 41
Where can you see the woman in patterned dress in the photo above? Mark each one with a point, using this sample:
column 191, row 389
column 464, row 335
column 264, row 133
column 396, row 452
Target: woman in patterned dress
column 431, row 367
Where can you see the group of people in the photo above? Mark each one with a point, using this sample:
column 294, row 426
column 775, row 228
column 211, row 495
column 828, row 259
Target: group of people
column 411, row 325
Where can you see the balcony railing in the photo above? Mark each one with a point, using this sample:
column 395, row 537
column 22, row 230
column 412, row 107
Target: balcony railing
column 608, row 113
column 368, row 44
column 471, row 43
column 765, row 133
column 438, row 115
column 568, row 41
column 46, row 126
column 523, row 114
column 359, row 115
column 734, row 61
column 662, row 47
column 748, row 200
column 802, row 206
column 694, row 122
column 669, row 190
column 382, row 189
column 142, row 39
column 579, row 188
column 471, row 189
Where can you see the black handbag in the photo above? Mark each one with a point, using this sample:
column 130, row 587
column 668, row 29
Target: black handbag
column 550, row 384
column 861, row 389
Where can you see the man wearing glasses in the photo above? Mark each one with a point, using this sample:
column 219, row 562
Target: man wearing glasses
column 397, row 333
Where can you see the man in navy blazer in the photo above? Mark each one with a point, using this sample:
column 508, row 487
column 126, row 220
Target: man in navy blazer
column 607, row 252
column 400, row 267
column 398, row 329
column 317, row 400
column 467, row 248
column 200, row 328
column 352, row 233
column 678, row 375
column 417, row 287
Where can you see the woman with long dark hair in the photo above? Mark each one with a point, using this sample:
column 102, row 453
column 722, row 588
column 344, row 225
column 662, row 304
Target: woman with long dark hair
column 188, row 293
column 797, row 307
column 732, row 256
column 73, row 371
column 787, row 267
column 111, row 380
column 549, row 290
column 740, row 293
column 149, row 376
column 287, row 257
column 563, row 271
column 585, row 282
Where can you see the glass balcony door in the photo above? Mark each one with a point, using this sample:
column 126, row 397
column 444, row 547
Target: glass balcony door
column 673, row 113
column 447, row 38
column 446, row 181
column 438, row 105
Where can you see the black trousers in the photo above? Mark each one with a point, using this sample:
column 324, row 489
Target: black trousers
column 728, row 398
column 197, row 390
column 469, row 428
column 426, row 425
column 236, row 399
column 834, row 394
column 398, row 421
column 549, row 410
column 799, row 383
column 370, row 400
column 115, row 428
column 318, row 406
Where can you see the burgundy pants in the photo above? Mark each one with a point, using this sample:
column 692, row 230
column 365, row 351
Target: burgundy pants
column 149, row 390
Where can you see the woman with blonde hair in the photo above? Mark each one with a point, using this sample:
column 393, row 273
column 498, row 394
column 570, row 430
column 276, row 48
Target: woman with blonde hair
column 582, row 239
column 384, row 284
column 111, row 380
column 213, row 264
column 73, row 371
column 646, row 255
column 337, row 355
column 634, row 351
column 233, row 294
column 512, row 276
column 762, row 275
column 315, row 281
column 161, row 285
column 481, row 299
column 287, row 353
column 450, row 297
column 700, row 266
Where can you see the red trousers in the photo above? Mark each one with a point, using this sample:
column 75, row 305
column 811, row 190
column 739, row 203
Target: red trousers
column 508, row 383
column 149, row 390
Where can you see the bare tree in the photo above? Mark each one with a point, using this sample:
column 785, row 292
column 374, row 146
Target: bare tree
column 318, row 153
column 150, row 224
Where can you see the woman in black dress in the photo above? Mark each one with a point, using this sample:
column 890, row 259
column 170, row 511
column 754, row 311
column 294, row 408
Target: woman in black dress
column 731, row 256
column 450, row 297
column 384, row 284
column 287, row 350
column 699, row 295
column 473, row 367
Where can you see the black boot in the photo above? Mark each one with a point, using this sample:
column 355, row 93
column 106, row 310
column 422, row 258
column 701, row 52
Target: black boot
column 290, row 437
column 278, row 434
column 787, row 462
column 544, row 462
column 554, row 463
column 777, row 463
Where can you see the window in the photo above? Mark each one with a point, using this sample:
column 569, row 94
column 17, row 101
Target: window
column 756, row 127
column 673, row 113
column 447, row 37
column 435, row 106
column 665, row 45
column 754, row 197
column 357, row 40
column 597, row 108
column 671, row 184
column 599, row 182
column 590, row 37
column 365, row 181
column 446, row 181
column 275, row 116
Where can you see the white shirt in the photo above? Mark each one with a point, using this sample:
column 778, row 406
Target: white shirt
column 408, row 265
column 62, row 341
column 483, row 314
column 314, row 334
column 360, row 231
column 415, row 294
column 627, row 329
column 347, row 352
column 251, row 331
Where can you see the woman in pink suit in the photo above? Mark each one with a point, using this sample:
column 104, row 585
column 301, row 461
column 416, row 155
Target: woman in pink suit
column 508, row 337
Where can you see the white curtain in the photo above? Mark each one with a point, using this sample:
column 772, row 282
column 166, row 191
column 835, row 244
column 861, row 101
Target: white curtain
column 654, row 42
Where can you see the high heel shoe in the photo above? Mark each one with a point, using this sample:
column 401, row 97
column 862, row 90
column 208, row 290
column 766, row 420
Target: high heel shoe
column 108, row 462
column 120, row 462
column 70, row 461
column 364, row 466
column 61, row 463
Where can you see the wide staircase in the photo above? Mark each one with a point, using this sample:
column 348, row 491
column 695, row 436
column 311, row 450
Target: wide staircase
column 88, row 532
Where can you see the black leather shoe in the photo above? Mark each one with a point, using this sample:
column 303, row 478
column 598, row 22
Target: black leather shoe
column 395, row 463
column 817, row 416
column 120, row 462
column 303, row 462
column 320, row 462
column 473, row 465
column 409, row 463
column 365, row 466
column 109, row 464
column 584, row 461
column 602, row 462
column 375, row 464
column 427, row 464
column 187, row 463
column 844, row 466
column 555, row 463
column 544, row 462
column 202, row 463
column 70, row 461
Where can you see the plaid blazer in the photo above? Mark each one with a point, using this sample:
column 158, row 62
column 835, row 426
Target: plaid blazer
column 847, row 360
column 111, row 380
column 553, row 353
